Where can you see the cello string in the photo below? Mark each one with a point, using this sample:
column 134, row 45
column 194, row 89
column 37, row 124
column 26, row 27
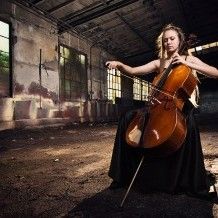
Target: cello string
column 150, row 85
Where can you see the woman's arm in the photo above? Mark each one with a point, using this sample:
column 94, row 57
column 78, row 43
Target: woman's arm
column 202, row 67
column 144, row 69
column 196, row 64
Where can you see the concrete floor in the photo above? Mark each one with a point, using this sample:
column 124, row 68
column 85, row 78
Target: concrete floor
column 62, row 172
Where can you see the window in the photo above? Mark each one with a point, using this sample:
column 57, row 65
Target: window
column 137, row 89
column 203, row 48
column 73, row 74
column 5, row 69
column 114, row 84
column 140, row 89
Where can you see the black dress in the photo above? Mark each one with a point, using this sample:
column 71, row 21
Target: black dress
column 181, row 172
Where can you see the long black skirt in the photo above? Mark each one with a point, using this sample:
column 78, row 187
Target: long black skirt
column 181, row 172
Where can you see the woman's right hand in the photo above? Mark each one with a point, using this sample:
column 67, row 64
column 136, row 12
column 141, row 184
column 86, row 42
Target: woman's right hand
column 112, row 64
column 119, row 66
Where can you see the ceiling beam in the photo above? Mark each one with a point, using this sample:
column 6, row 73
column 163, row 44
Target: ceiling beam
column 37, row 1
column 83, row 11
column 52, row 10
column 95, row 11
column 149, row 16
column 98, row 29
column 133, row 30
column 112, row 19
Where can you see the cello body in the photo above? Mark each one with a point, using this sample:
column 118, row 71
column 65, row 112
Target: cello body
column 165, row 127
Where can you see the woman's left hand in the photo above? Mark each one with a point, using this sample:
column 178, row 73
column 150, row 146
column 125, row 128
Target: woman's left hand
column 177, row 59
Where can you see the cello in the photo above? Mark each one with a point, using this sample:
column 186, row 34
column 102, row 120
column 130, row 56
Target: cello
column 162, row 126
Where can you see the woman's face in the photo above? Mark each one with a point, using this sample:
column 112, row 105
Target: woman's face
column 171, row 41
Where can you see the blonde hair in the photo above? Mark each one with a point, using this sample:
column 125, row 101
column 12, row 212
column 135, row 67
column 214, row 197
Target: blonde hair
column 182, row 51
column 160, row 42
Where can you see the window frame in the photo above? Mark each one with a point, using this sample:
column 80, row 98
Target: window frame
column 10, row 88
column 63, row 97
column 111, row 88
column 142, row 83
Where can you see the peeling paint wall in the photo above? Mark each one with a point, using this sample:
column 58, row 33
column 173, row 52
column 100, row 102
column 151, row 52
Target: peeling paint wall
column 32, row 100
column 31, row 36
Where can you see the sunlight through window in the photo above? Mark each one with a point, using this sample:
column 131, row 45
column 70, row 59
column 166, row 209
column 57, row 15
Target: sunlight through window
column 4, row 60
column 140, row 89
column 114, row 84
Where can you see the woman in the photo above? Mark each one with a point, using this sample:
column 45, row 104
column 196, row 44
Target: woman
column 184, row 170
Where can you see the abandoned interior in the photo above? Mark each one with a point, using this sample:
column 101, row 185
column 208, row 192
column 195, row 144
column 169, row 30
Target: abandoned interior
column 53, row 75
